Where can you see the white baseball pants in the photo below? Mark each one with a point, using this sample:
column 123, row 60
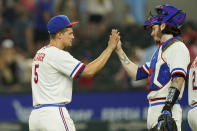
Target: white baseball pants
column 155, row 111
column 50, row 117
column 192, row 120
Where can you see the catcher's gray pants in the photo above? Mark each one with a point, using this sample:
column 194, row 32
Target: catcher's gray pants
column 155, row 111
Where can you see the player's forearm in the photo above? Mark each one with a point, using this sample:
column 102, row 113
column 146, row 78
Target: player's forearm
column 128, row 65
column 173, row 93
column 177, row 82
column 96, row 65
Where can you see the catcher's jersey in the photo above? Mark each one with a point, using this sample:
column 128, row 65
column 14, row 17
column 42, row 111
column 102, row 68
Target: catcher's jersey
column 53, row 71
column 192, row 88
column 170, row 59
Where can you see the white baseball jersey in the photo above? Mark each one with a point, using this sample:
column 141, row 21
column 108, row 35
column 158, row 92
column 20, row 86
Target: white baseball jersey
column 53, row 71
column 192, row 96
column 170, row 59
column 192, row 88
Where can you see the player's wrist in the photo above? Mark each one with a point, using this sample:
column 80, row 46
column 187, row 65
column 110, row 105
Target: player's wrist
column 119, row 50
column 167, row 107
column 109, row 49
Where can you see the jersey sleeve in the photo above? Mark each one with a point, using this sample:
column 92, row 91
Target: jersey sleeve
column 177, row 57
column 143, row 71
column 67, row 64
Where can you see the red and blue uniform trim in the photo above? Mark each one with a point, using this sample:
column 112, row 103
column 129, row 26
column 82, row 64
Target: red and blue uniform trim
column 77, row 70
column 194, row 105
column 63, row 118
column 158, row 101
column 180, row 71
column 48, row 105
column 169, row 42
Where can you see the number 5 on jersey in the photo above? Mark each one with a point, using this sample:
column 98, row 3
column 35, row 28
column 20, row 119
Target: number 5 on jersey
column 36, row 74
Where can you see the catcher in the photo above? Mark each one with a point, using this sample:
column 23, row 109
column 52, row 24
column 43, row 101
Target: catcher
column 166, row 70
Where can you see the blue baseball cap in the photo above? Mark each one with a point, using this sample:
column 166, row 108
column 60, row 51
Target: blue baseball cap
column 167, row 14
column 59, row 22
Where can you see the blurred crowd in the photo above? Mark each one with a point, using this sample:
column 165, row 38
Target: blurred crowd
column 23, row 31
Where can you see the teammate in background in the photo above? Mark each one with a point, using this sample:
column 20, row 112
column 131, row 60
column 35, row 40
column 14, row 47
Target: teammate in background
column 166, row 70
column 192, row 90
column 53, row 71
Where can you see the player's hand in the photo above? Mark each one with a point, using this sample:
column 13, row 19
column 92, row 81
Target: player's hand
column 166, row 122
column 113, row 39
column 119, row 46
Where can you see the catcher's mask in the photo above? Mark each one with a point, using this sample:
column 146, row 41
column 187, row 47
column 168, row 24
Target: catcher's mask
column 165, row 14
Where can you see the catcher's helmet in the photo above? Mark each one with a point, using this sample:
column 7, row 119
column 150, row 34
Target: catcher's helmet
column 166, row 14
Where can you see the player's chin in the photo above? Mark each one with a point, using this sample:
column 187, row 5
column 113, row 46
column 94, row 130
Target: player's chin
column 157, row 40
column 69, row 44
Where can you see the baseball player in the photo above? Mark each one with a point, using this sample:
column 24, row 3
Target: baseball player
column 192, row 90
column 166, row 70
column 53, row 71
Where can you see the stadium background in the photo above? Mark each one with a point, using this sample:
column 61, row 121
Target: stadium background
column 110, row 101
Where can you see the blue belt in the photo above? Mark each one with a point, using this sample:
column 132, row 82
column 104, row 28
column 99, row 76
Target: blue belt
column 160, row 103
column 48, row 105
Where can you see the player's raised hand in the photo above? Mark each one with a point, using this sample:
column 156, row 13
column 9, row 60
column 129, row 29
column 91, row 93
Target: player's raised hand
column 113, row 39
column 119, row 46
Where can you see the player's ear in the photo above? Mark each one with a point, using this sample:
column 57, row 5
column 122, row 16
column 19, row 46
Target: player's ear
column 59, row 35
column 163, row 26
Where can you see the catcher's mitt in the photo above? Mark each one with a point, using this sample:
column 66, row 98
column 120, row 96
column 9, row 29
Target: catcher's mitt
column 166, row 123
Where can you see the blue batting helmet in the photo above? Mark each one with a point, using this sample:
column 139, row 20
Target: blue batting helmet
column 166, row 14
